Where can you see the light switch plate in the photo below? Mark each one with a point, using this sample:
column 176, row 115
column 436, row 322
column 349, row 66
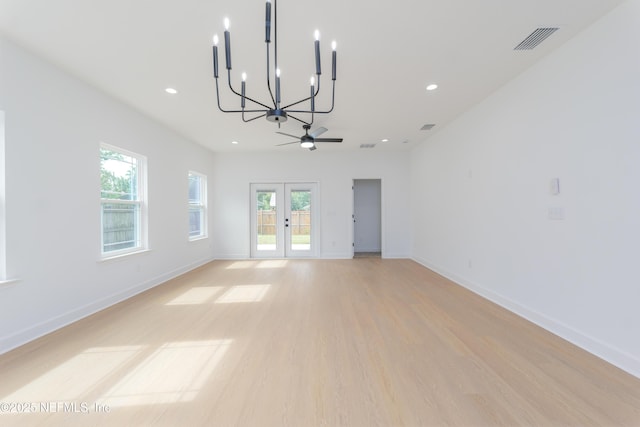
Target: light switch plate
column 554, row 186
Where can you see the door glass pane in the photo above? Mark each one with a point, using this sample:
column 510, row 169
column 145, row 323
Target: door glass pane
column 266, row 220
column 300, row 220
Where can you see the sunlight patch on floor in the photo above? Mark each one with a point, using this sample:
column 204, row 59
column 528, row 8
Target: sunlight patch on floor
column 241, row 265
column 197, row 295
column 74, row 378
column 272, row 263
column 175, row 372
column 269, row 263
column 244, row 293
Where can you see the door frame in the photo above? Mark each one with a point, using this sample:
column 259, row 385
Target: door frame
column 382, row 215
column 284, row 247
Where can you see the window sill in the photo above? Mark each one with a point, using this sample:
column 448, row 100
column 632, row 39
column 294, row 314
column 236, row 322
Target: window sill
column 123, row 256
column 195, row 239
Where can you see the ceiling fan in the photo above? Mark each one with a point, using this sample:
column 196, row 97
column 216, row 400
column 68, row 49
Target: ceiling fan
column 308, row 140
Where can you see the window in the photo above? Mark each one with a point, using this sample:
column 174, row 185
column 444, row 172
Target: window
column 123, row 201
column 197, row 206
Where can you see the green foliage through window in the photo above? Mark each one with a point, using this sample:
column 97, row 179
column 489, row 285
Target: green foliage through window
column 118, row 175
column 300, row 200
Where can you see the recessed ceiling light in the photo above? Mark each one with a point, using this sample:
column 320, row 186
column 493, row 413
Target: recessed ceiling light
column 385, row 140
column 234, row 142
column 432, row 86
column 171, row 90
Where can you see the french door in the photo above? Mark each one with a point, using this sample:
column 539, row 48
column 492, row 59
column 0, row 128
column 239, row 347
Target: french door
column 284, row 220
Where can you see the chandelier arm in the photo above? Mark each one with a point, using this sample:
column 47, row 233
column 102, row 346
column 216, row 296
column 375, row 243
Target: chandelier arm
column 286, row 107
column 218, row 99
column 235, row 111
column 333, row 97
column 264, row 113
column 305, row 99
column 240, row 95
column 253, row 118
column 300, row 120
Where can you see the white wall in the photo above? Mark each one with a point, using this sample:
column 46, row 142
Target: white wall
column 335, row 172
column 54, row 125
column 481, row 216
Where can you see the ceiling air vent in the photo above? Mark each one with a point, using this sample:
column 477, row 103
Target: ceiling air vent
column 535, row 38
column 367, row 145
column 427, row 127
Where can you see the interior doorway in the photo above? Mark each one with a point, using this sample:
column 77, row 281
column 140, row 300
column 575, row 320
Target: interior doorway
column 367, row 218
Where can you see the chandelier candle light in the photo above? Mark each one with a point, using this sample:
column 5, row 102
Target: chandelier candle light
column 274, row 112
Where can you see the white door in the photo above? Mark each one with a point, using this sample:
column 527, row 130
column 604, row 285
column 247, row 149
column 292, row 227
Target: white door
column 284, row 220
column 367, row 215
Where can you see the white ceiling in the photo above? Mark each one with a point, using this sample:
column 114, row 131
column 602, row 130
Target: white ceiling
column 387, row 53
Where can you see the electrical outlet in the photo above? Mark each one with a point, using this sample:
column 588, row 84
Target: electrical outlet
column 556, row 213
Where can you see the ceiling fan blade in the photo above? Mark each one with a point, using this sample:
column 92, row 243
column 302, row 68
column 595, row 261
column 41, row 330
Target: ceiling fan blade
column 327, row 140
column 288, row 134
column 318, row 132
column 287, row 143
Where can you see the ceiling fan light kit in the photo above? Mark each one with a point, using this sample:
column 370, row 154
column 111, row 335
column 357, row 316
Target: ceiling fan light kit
column 274, row 111
column 307, row 144
column 309, row 140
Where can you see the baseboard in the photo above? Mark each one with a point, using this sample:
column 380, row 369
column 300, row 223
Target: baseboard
column 392, row 255
column 34, row 332
column 329, row 255
column 337, row 255
column 232, row 257
column 325, row 255
column 610, row 354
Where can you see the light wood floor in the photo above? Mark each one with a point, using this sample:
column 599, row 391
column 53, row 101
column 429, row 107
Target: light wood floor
column 361, row 342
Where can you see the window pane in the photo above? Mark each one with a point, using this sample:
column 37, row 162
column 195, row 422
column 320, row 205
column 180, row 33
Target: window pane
column 266, row 221
column 301, row 219
column 195, row 189
column 118, row 176
column 120, row 226
column 197, row 205
column 195, row 222
column 122, row 192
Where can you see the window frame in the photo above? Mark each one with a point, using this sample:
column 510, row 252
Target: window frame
column 201, row 205
column 142, row 219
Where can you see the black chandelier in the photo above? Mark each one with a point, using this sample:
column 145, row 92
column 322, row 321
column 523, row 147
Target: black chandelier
column 274, row 111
